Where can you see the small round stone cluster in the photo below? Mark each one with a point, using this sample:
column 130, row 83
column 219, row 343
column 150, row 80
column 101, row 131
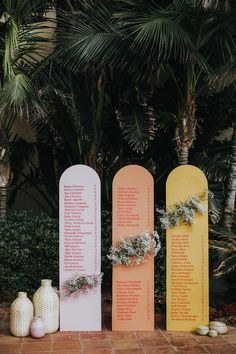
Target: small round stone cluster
column 213, row 329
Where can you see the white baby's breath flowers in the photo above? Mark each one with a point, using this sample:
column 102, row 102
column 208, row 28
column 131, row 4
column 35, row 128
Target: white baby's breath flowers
column 183, row 212
column 81, row 283
column 135, row 250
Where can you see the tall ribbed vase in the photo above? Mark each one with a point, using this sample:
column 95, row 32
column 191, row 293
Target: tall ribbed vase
column 21, row 315
column 46, row 305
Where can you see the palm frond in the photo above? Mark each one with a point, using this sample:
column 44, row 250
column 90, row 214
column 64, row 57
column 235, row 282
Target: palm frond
column 25, row 44
column 28, row 34
column 49, row 75
column 224, row 243
column 35, row 42
column 157, row 32
column 222, row 38
column 16, row 129
column 138, row 126
column 17, row 94
column 226, row 267
column 222, row 232
column 215, row 167
column 223, row 77
column 24, row 11
column 89, row 37
column 28, row 44
column 223, row 246
column 79, row 105
column 211, row 4
column 164, row 118
column 216, row 206
column 24, row 130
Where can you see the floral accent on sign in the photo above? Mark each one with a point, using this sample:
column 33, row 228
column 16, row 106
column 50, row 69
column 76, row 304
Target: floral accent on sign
column 183, row 212
column 135, row 250
column 81, row 283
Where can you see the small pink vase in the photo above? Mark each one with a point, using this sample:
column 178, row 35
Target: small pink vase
column 37, row 328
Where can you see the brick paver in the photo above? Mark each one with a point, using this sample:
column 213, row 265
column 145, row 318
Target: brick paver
column 108, row 342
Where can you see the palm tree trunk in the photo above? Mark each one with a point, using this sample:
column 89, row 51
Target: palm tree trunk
column 3, row 201
column 5, row 168
column 183, row 155
column 231, row 186
column 185, row 132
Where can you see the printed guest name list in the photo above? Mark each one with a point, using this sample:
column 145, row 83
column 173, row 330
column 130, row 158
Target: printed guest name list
column 79, row 227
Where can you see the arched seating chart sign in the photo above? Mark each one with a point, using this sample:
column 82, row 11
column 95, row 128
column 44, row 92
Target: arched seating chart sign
column 187, row 254
column 80, row 247
column 133, row 214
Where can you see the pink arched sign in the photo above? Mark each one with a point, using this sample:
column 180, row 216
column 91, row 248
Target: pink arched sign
column 80, row 248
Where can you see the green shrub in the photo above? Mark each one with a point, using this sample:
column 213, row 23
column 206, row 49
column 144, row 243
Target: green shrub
column 29, row 252
column 29, row 248
column 160, row 269
column 106, row 244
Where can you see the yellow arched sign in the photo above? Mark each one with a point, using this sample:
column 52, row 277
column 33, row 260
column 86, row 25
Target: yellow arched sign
column 187, row 255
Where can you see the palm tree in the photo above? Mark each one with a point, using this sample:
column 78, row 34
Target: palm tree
column 22, row 47
column 190, row 41
column 226, row 78
column 184, row 40
column 93, row 48
column 231, row 185
column 217, row 160
column 224, row 242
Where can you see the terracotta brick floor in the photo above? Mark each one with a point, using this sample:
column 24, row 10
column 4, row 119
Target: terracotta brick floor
column 107, row 342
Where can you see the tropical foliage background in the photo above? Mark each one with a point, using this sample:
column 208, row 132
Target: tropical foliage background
column 108, row 83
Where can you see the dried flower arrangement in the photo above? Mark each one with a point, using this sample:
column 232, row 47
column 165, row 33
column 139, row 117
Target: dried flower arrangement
column 183, row 212
column 135, row 250
column 81, row 283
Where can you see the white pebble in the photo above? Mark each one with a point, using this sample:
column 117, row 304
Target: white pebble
column 212, row 333
column 202, row 330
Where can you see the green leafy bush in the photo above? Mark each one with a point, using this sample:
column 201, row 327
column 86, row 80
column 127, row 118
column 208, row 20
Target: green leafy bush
column 29, row 249
column 29, row 252
column 160, row 269
column 106, row 244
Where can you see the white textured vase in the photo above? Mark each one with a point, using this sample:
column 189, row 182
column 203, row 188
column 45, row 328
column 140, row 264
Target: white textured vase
column 21, row 315
column 46, row 305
